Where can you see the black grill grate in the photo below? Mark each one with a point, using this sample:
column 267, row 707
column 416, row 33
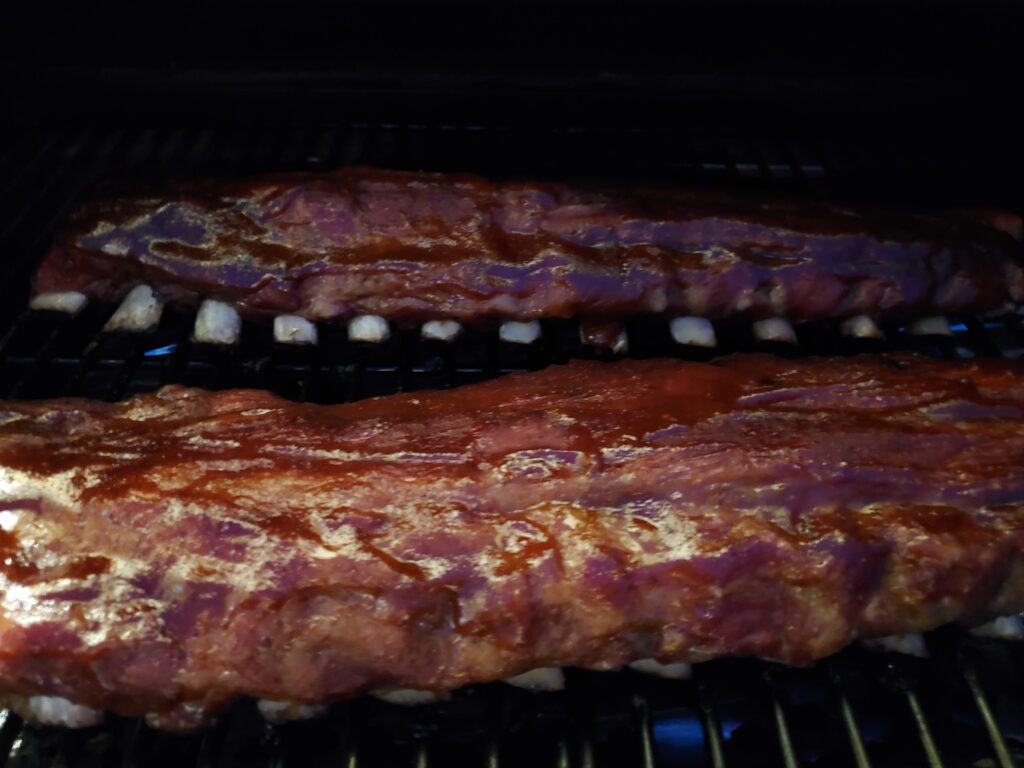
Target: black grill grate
column 857, row 709
column 963, row 706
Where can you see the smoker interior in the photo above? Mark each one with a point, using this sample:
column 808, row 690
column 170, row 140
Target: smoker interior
column 961, row 706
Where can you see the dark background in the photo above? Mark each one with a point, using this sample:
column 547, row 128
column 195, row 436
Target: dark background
column 900, row 68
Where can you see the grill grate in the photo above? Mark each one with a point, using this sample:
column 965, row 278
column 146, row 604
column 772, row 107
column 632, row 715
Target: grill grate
column 963, row 706
column 857, row 709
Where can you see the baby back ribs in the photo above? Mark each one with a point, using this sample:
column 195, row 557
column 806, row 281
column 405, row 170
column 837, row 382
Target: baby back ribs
column 166, row 554
column 416, row 247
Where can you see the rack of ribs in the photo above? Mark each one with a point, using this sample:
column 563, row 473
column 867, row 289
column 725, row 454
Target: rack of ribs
column 169, row 553
column 415, row 248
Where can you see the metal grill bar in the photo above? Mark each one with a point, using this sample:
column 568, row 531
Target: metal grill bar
column 420, row 761
column 991, row 727
column 586, row 751
column 860, row 754
column 927, row 741
column 562, row 759
column 643, row 713
column 492, row 756
column 712, row 730
column 785, row 741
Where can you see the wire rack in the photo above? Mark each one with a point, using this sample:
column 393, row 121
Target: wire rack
column 961, row 706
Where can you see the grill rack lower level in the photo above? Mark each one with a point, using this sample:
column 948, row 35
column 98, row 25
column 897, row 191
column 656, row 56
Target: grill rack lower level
column 856, row 709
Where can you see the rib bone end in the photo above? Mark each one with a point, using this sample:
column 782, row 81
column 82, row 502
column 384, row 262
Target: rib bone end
column 54, row 710
column 931, row 326
column 515, row 332
column 1003, row 628
column 70, row 302
column 540, row 679
column 861, row 327
column 775, row 329
column 908, row 645
column 292, row 329
column 282, row 711
column 217, row 323
column 139, row 311
column 674, row 671
column 441, row 330
column 693, row 331
column 370, row 328
column 406, row 697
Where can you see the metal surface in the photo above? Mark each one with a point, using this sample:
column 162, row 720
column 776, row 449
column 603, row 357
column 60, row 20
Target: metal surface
column 858, row 709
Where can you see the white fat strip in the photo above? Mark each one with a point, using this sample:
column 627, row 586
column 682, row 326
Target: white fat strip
column 693, row 331
column 217, row 323
column 70, row 302
column 1003, row 628
column 441, row 330
column 406, row 697
column 861, row 327
column 282, row 711
column 931, row 326
column 540, row 679
column 908, row 645
column 516, row 332
column 678, row 670
column 54, row 710
column 139, row 311
column 292, row 329
column 775, row 329
column 372, row 328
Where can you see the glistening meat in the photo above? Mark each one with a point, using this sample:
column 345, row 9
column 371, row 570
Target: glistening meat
column 421, row 247
column 164, row 555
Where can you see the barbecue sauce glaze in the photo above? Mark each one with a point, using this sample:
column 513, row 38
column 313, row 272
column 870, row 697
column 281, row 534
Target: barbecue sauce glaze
column 413, row 247
column 168, row 553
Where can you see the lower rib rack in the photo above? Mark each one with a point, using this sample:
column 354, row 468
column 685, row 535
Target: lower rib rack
column 164, row 555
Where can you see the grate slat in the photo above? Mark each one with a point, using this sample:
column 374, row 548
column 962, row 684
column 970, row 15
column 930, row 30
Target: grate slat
column 643, row 716
column 1002, row 753
column 492, row 755
column 10, row 731
column 782, row 730
column 931, row 751
column 562, row 754
column 712, row 729
column 586, row 749
column 860, row 754
column 420, row 760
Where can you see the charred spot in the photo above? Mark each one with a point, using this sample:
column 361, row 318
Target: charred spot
column 768, row 382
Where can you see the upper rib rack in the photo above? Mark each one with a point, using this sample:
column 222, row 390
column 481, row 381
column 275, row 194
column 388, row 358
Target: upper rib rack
column 416, row 247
